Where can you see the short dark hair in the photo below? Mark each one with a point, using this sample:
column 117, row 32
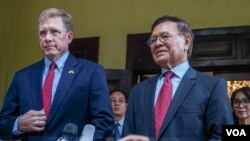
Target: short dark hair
column 183, row 27
column 121, row 91
column 244, row 90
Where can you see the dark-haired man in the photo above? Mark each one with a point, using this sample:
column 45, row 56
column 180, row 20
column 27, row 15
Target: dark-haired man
column 180, row 103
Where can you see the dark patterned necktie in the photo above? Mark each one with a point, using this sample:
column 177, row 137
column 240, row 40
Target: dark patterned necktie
column 47, row 88
column 117, row 134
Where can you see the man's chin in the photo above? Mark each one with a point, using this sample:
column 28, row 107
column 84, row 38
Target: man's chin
column 161, row 60
column 50, row 56
column 50, row 53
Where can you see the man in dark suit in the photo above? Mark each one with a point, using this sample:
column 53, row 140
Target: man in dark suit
column 78, row 91
column 199, row 104
column 118, row 100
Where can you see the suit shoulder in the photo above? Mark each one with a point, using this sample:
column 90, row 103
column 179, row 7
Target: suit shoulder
column 209, row 78
column 30, row 67
column 88, row 63
column 146, row 81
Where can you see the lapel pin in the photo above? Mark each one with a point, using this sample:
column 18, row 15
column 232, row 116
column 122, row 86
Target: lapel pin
column 71, row 72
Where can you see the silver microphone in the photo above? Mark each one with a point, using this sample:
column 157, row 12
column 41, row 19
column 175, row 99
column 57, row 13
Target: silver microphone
column 88, row 133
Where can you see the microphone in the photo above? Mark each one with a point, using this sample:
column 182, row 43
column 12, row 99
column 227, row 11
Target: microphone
column 87, row 133
column 69, row 132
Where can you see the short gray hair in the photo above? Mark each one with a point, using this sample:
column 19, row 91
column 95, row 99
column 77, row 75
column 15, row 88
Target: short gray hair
column 54, row 12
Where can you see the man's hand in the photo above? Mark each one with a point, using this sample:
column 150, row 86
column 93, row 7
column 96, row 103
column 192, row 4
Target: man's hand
column 32, row 121
column 135, row 138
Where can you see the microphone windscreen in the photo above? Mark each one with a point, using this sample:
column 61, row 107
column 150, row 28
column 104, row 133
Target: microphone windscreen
column 88, row 133
column 70, row 131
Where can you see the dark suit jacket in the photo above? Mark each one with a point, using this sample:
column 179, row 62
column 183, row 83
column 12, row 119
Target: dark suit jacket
column 110, row 138
column 81, row 97
column 198, row 110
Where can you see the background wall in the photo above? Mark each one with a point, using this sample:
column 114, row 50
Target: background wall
column 111, row 20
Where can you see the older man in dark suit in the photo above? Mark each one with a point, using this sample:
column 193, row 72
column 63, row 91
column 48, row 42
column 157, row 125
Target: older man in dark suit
column 179, row 104
column 57, row 90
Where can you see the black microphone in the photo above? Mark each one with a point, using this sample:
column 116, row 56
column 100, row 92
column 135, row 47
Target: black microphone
column 69, row 132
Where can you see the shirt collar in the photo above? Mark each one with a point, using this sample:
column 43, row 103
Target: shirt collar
column 178, row 70
column 59, row 62
column 121, row 121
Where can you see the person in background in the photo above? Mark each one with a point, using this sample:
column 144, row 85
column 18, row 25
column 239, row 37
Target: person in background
column 179, row 103
column 58, row 89
column 240, row 101
column 118, row 100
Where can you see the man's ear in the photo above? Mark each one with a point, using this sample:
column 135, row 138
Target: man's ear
column 70, row 37
column 188, row 41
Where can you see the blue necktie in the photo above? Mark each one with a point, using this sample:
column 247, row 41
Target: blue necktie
column 117, row 134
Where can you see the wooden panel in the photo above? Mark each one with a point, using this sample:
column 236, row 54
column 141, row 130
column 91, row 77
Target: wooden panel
column 245, row 45
column 138, row 53
column 86, row 48
column 234, row 75
column 214, row 47
column 119, row 79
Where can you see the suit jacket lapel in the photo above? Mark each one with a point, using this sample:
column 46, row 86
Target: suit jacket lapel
column 36, row 85
column 149, row 101
column 68, row 75
column 184, row 87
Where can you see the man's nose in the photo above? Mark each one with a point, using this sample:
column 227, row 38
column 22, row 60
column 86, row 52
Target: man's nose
column 158, row 41
column 48, row 36
column 117, row 102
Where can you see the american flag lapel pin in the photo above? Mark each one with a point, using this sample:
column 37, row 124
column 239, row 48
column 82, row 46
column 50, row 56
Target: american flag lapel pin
column 71, row 72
